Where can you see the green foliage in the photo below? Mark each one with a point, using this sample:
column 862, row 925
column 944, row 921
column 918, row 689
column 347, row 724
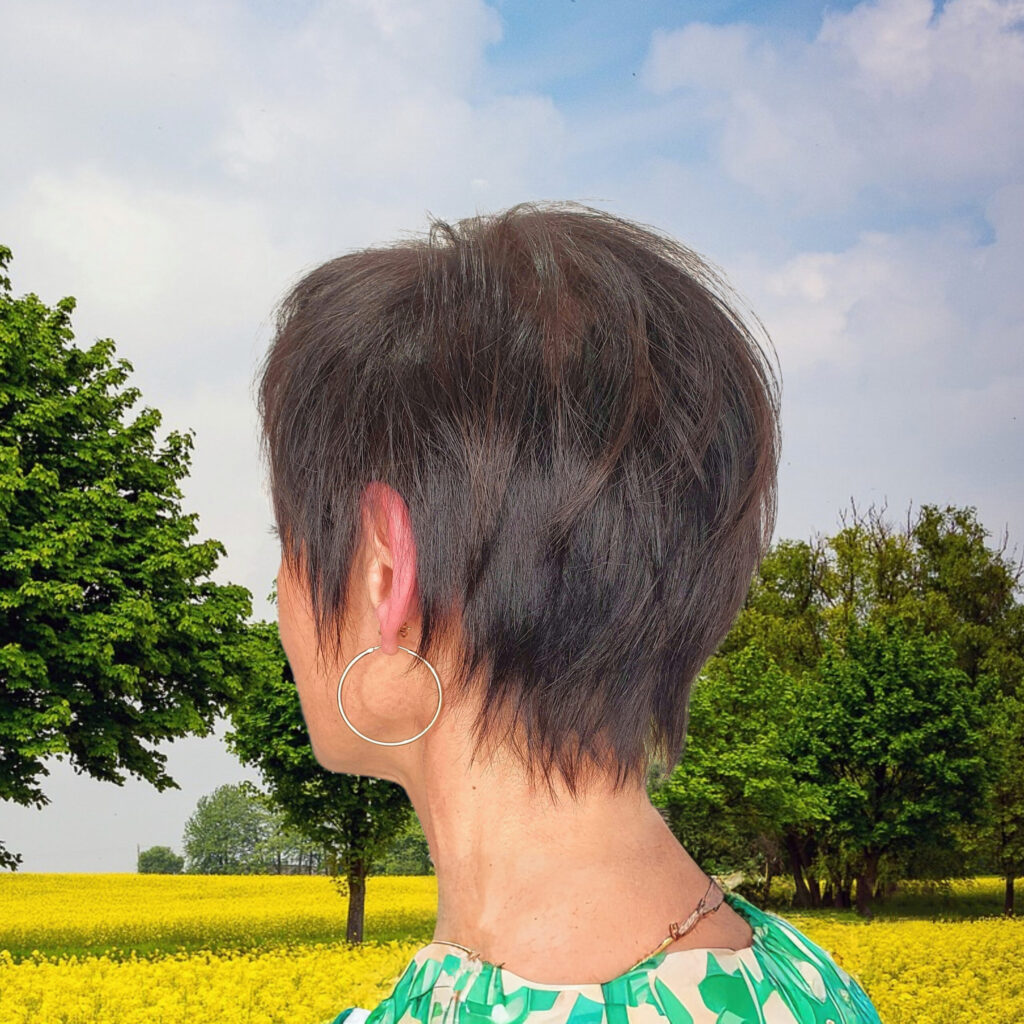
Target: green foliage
column 284, row 849
column 786, row 607
column 354, row 817
column 998, row 842
column 972, row 595
column 238, row 830
column 408, row 853
column 226, row 832
column 898, row 742
column 743, row 779
column 112, row 637
column 160, row 860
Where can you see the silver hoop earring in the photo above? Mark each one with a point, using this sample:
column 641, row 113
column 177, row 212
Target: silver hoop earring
column 389, row 743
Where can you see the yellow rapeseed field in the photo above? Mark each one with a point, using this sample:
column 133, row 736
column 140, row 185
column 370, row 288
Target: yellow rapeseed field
column 145, row 949
column 100, row 913
column 932, row 972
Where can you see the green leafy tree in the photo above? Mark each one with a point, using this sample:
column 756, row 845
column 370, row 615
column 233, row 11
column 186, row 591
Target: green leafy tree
column 787, row 616
column 226, row 833
column 1000, row 837
column 354, row 817
column 972, row 590
column 972, row 594
column 160, row 860
column 786, row 609
column 744, row 780
column 898, row 743
column 112, row 637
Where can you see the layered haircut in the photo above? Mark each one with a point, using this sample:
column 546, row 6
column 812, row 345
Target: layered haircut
column 586, row 434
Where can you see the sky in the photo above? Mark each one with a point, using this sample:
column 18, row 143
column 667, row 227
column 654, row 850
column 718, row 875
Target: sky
column 856, row 170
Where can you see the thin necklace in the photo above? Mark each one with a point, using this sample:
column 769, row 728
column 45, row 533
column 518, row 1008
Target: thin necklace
column 678, row 929
column 708, row 904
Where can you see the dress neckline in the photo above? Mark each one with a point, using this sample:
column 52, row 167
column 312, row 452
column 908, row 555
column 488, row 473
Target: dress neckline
column 664, row 961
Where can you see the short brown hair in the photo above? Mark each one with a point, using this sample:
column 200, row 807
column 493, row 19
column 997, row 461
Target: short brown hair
column 586, row 435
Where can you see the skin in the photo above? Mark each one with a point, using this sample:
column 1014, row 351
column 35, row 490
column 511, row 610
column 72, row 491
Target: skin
column 557, row 891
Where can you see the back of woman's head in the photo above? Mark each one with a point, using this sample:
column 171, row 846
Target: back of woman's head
column 586, row 436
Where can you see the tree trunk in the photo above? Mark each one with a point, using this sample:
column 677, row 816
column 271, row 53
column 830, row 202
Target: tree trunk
column 1008, row 895
column 802, row 895
column 845, row 899
column 839, row 896
column 813, row 882
column 769, row 864
column 356, row 900
column 814, row 885
column 866, row 883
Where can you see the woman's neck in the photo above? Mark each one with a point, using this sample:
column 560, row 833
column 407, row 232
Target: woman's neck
column 557, row 891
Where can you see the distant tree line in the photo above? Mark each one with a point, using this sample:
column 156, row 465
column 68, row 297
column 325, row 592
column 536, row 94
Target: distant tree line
column 236, row 830
column 160, row 860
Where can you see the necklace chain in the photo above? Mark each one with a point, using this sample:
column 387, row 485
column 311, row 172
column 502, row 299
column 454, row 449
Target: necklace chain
column 708, row 904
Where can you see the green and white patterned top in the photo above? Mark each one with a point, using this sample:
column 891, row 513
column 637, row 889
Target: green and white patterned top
column 781, row 978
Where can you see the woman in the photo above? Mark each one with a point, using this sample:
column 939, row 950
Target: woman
column 523, row 471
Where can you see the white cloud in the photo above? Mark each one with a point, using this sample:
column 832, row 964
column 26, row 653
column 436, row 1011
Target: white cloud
column 891, row 96
column 149, row 258
column 941, row 302
column 903, row 371
column 843, row 307
column 181, row 179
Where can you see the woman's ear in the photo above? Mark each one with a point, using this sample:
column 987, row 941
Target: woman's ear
column 391, row 568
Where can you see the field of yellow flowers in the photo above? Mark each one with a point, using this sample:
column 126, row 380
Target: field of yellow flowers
column 148, row 949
